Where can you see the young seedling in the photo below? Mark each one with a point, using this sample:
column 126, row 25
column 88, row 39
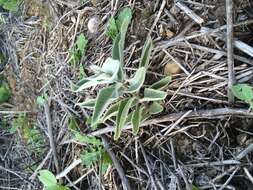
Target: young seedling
column 123, row 100
column 243, row 92
column 49, row 181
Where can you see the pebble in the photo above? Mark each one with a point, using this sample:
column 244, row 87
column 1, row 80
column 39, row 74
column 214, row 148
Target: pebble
column 93, row 25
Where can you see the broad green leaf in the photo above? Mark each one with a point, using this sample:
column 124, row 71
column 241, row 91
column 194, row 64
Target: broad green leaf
column 161, row 84
column 5, row 92
column 153, row 95
column 10, row 5
column 47, row 178
column 110, row 66
column 86, row 139
column 243, row 92
column 136, row 119
column 123, row 110
column 92, row 81
column 81, row 43
column 112, row 29
column 90, row 157
column 155, row 108
column 146, row 52
column 137, row 81
column 88, row 104
column 123, row 21
column 102, row 102
column 123, row 31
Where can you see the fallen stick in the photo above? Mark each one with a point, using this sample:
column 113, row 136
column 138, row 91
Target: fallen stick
column 230, row 50
column 50, row 136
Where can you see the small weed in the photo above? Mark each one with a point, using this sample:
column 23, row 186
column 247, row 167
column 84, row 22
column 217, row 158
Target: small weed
column 94, row 152
column 41, row 100
column 5, row 92
column 29, row 134
column 124, row 100
column 77, row 53
column 49, row 181
column 244, row 92
column 79, row 49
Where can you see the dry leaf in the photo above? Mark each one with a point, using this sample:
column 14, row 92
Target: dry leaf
column 171, row 68
column 165, row 32
column 169, row 33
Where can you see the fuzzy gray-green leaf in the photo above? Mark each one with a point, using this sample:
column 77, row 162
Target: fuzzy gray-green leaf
column 146, row 52
column 111, row 111
column 153, row 95
column 123, row 110
column 155, row 108
column 102, row 102
column 88, row 104
column 136, row 119
column 161, row 84
column 137, row 81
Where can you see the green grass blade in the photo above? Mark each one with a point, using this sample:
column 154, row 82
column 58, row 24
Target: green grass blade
column 88, row 104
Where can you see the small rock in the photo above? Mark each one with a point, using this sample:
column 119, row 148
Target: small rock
column 93, row 25
column 171, row 68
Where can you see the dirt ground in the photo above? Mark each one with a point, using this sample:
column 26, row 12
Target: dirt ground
column 199, row 141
